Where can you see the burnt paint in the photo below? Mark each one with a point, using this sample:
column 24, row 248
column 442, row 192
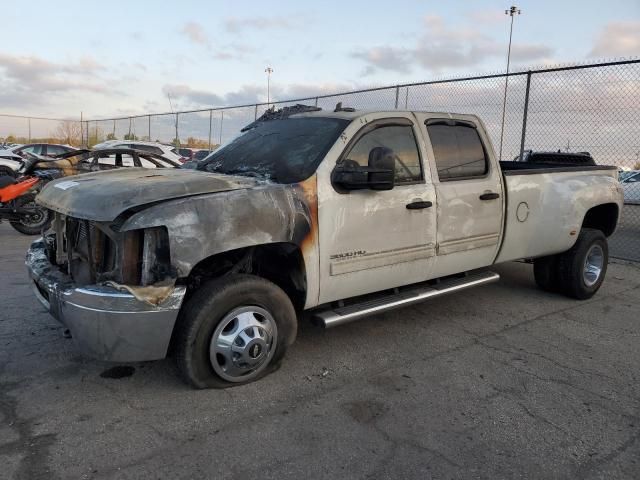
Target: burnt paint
column 205, row 225
column 103, row 196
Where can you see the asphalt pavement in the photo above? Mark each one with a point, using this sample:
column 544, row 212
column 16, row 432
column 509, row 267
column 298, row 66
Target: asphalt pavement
column 503, row 381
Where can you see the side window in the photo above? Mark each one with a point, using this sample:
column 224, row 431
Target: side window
column 401, row 140
column 458, row 151
column 148, row 148
column 55, row 150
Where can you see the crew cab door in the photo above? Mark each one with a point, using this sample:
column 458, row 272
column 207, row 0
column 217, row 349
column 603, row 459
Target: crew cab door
column 372, row 240
column 469, row 193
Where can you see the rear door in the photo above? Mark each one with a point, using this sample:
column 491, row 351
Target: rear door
column 469, row 193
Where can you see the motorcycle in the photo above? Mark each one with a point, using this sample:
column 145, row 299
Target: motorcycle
column 18, row 198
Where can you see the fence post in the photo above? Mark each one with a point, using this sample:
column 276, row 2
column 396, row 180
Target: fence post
column 316, row 102
column 397, row 95
column 177, row 141
column 524, row 115
column 29, row 121
column 96, row 132
column 221, row 120
column 210, row 123
column 129, row 135
column 114, row 129
column 255, row 112
column 87, row 127
column 149, row 127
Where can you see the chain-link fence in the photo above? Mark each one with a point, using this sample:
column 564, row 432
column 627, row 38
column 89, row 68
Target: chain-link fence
column 589, row 107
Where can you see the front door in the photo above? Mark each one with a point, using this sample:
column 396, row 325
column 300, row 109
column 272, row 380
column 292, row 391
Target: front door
column 469, row 193
column 374, row 240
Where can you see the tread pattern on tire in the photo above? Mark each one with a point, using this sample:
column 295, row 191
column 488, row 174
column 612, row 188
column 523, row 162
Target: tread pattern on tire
column 571, row 263
column 205, row 299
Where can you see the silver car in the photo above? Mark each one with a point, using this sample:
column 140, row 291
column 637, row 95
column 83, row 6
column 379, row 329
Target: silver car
column 631, row 187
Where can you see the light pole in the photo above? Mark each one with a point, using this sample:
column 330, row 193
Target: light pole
column 268, row 71
column 513, row 11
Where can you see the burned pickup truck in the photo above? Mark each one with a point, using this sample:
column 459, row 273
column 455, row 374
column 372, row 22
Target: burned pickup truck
column 340, row 214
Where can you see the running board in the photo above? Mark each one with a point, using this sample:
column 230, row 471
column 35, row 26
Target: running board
column 337, row 316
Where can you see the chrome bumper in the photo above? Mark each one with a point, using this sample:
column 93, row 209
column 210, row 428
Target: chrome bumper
column 105, row 323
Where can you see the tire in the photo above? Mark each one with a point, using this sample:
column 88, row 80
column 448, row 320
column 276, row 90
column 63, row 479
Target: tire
column 217, row 311
column 32, row 226
column 579, row 281
column 546, row 274
column 6, row 171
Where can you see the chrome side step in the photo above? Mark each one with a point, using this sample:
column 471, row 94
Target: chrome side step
column 337, row 316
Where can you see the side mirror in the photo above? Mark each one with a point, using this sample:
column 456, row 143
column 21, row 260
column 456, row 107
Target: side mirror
column 379, row 174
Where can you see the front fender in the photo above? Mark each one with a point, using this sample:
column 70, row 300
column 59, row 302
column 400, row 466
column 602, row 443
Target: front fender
column 205, row 225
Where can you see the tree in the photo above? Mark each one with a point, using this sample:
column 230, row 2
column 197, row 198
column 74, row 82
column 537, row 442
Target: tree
column 193, row 142
column 111, row 136
column 69, row 132
column 130, row 136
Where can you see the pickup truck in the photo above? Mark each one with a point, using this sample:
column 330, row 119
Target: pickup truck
column 335, row 214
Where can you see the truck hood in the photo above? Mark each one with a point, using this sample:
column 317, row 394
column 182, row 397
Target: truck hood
column 102, row 196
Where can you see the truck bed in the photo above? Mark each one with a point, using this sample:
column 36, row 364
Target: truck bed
column 545, row 205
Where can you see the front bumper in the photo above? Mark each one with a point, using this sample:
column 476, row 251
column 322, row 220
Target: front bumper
column 105, row 323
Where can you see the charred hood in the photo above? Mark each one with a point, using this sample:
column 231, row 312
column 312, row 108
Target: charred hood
column 102, row 196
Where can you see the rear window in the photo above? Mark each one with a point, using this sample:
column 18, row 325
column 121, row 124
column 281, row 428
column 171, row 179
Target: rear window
column 148, row 148
column 458, row 151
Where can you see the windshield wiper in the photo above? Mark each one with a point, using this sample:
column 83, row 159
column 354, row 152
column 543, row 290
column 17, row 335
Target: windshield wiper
column 247, row 173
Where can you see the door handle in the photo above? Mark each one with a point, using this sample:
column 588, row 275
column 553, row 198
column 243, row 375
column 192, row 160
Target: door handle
column 489, row 196
column 418, row 205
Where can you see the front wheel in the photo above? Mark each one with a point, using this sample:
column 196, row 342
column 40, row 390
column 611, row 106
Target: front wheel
column 38, row 218
column 234, row 330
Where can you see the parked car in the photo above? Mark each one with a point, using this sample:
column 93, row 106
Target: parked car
column 82, row 161
column 202, row 154
column 150, row 147
column 342, row 214
column 42, row 149
column 631, row 186
column 9, row 163
column 186, row 154
column 12, row 158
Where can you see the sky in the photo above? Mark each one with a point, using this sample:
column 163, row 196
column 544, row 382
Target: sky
column 125, row 58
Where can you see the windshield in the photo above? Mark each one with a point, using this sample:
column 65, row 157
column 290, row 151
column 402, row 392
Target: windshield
column 286, row 150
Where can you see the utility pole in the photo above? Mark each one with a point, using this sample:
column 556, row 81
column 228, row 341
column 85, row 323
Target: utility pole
column 268, row 71
column 512, row 12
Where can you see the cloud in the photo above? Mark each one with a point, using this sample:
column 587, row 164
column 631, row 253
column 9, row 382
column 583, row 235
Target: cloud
column 28, row 80
column 195, row 33
column 386, row 58
column 192, row 97
column 486, row 16
column 440, row 47
column 618, row 39
column 236, row 24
